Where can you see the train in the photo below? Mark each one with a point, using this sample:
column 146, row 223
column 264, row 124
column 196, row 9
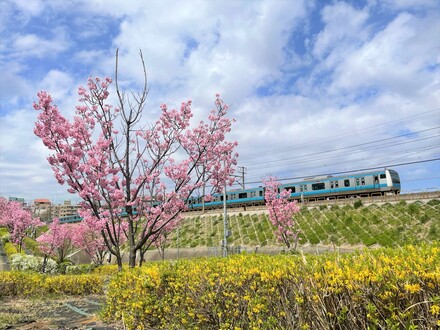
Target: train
column 362, row 184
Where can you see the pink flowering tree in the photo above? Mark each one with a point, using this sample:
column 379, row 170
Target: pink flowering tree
column 19, row 221
column 281, row 212
column 133, row 176
column 56, row 242
column 87, row 236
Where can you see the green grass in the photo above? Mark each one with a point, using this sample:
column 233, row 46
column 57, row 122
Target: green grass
column 387, row 225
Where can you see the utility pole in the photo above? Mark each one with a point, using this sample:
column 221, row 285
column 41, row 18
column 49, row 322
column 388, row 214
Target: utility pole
column 225, row 225
column 226, row 232
column 242, row 171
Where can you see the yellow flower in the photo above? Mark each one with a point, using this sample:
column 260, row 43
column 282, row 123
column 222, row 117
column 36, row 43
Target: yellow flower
column 412, row 288
column 435, row 310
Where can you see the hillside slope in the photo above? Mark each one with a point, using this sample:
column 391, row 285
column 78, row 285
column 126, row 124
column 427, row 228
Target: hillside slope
column 387, row 225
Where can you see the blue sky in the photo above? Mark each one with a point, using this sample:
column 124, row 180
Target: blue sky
column 316, row 87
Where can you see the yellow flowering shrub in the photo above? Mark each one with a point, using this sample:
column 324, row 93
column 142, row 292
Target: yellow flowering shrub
column 386, row 288
column 16, row 283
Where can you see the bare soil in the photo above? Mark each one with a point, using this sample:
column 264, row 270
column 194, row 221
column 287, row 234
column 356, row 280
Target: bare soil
column 60, row 313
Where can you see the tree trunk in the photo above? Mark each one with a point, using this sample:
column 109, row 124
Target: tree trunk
column 43, row 268
column 132, row 258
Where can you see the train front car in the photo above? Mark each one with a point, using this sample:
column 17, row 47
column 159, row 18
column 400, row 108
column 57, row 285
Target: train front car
column 393, row 181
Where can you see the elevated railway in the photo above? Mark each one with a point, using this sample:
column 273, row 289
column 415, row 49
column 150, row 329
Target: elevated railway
column 424, row 196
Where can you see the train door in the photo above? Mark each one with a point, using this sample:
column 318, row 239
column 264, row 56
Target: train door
column 376, row 181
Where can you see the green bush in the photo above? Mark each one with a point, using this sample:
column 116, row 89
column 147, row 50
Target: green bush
column 433, row 202
column 10, row 249
column 63, row 265
column 3, row 231
column 32, row 246
column 80, row 269
column 5, row 238
column 358, row 204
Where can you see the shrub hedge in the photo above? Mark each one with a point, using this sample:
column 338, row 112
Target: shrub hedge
column 372, row 289
column 10, row 249
column 25, row 284
column 23, row 262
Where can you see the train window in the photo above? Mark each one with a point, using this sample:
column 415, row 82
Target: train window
column 318, row 186
column 357, row 181
column 242, row 195
column 332, row 184
column 346, row 183
column 337, row 184
column 363, row 181
column 291, row 188
column 383, row 176
column 261, row 193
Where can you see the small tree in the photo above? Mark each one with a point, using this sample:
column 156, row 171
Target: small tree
column 56, row 242
column 133, row 176
column 281, row 212
column 17, row 220
column 86, row 235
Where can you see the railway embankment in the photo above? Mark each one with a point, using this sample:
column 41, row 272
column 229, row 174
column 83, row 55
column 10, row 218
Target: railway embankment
column 423, row 197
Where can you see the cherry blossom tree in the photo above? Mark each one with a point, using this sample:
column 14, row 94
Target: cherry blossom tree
column 87, row 236
column 134, row 176
column 281, row 212
column 56, row 242
column 19, row 221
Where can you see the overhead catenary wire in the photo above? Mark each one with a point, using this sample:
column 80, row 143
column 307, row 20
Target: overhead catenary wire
column 404, row 147
column 434, row 113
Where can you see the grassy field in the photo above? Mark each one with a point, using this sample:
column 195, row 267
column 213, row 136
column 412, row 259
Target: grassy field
column 386, row 225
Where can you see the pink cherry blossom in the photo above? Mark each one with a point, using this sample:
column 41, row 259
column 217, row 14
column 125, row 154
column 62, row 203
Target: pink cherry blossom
column 281, row 212
column 133, row 176
column 57, row 242
column 18, row 220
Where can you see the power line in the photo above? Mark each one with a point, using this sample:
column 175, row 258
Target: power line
column 357, row 170
column 396, row 123
column 354, row 146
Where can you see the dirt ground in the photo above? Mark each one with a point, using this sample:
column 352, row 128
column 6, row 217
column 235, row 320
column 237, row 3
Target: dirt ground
column 60, row 313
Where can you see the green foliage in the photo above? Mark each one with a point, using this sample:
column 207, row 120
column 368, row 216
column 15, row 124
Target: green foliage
column 80, row 269
column 10, row 249
column 433, row 202
column 358, row 204
column 32, row 246
column 386, row 225
column 3, row 231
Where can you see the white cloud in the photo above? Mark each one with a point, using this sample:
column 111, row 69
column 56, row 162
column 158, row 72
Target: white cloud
column 396, row 59
column 355, row 72
column 58, row 83
column 29, row 45
column 344, row 27
column 411, row 4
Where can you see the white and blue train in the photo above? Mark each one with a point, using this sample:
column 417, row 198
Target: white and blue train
column 364, row 184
